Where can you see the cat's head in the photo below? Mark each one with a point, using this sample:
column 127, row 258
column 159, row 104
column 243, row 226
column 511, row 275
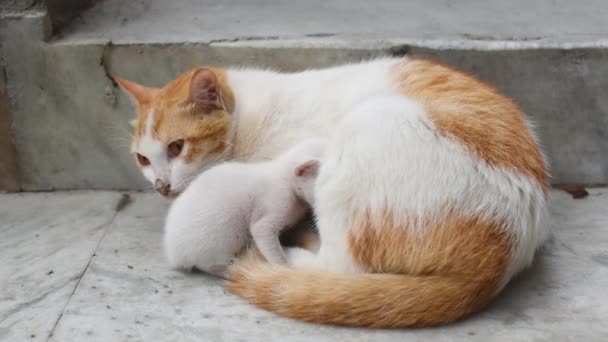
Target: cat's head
column 180, row 128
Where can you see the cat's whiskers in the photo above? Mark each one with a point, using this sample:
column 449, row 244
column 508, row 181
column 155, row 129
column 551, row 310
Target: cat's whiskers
column 118, row 134
column 120, row 142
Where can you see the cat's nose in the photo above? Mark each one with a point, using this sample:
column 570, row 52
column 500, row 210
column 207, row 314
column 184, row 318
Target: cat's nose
column 162, row 187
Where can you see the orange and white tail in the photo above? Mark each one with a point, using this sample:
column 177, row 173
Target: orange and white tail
column 365, row 300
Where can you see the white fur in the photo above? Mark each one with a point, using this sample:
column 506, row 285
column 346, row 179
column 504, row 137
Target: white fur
column 276, row 110
column 210, row 222
column 402, row 163
column 155, row 151
column 384, row 152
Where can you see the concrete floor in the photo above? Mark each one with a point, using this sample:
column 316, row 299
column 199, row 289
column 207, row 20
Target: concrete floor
column 87, row 266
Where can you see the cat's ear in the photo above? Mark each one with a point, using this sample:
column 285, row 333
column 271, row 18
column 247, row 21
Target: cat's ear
column 139, row 94
column 204, row 91
column 309, row 168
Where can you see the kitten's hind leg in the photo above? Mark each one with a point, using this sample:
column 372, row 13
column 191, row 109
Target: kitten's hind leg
column 265, row 233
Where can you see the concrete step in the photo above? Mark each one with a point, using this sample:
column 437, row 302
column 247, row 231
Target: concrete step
column 69, row 123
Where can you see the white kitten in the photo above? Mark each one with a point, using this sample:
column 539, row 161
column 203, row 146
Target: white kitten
column 211, row 221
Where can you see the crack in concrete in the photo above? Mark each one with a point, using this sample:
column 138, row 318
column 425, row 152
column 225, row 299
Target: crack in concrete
column 4, row 74
column 488, row 37
column 243, row 38
column 320, row 35
column 35, row 3
column 36, row 300
column 566, row 247
column 103, row 62
column 257, row 38
column 124, row 201
column 110, row 224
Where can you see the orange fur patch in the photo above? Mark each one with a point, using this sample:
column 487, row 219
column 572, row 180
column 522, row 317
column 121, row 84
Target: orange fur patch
column 471, row 249
column 489, row 124
column 453, row 270
column 174, row 119
column 467, row 246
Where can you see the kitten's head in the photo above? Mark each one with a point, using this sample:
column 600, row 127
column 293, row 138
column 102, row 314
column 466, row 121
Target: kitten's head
column 180, row 128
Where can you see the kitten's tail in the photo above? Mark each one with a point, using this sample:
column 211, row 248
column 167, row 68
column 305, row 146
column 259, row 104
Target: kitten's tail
column 369, row 300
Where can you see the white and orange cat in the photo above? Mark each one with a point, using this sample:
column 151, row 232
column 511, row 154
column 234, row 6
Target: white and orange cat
column 429, row 199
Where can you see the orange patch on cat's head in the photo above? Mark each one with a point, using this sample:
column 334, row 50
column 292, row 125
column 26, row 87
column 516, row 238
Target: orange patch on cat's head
column 193, row 109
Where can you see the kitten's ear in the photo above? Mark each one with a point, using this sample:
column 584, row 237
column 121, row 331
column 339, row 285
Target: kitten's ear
column 138, row 93
column 204, row 91
column 309, row 168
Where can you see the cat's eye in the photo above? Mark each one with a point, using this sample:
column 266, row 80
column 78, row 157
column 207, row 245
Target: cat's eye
column 175, row 148
column 143, row 161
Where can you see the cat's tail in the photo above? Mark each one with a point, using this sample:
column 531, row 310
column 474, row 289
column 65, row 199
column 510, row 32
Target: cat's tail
column 368, row 300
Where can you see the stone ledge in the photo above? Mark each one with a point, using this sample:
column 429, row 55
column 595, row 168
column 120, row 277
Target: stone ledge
column 70, row 123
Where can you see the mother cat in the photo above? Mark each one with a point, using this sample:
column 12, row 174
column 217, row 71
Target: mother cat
column 429, row 201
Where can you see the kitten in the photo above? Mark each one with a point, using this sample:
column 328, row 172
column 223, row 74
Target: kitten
column 210, row 222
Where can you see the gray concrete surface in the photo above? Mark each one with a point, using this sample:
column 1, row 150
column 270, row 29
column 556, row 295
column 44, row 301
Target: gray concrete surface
column 62, row 12
column 70, row 125
column 158, row 21
column 47, row 243
column 9, row 174
column 16, row 5
column 87, row 266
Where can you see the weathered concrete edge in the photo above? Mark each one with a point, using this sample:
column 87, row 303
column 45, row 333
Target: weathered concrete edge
column 447, row 43
column 33, row 20
column 507, row 68
column 16, row 5
column 461, row 42
column 9, row 170
column 61, row 12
